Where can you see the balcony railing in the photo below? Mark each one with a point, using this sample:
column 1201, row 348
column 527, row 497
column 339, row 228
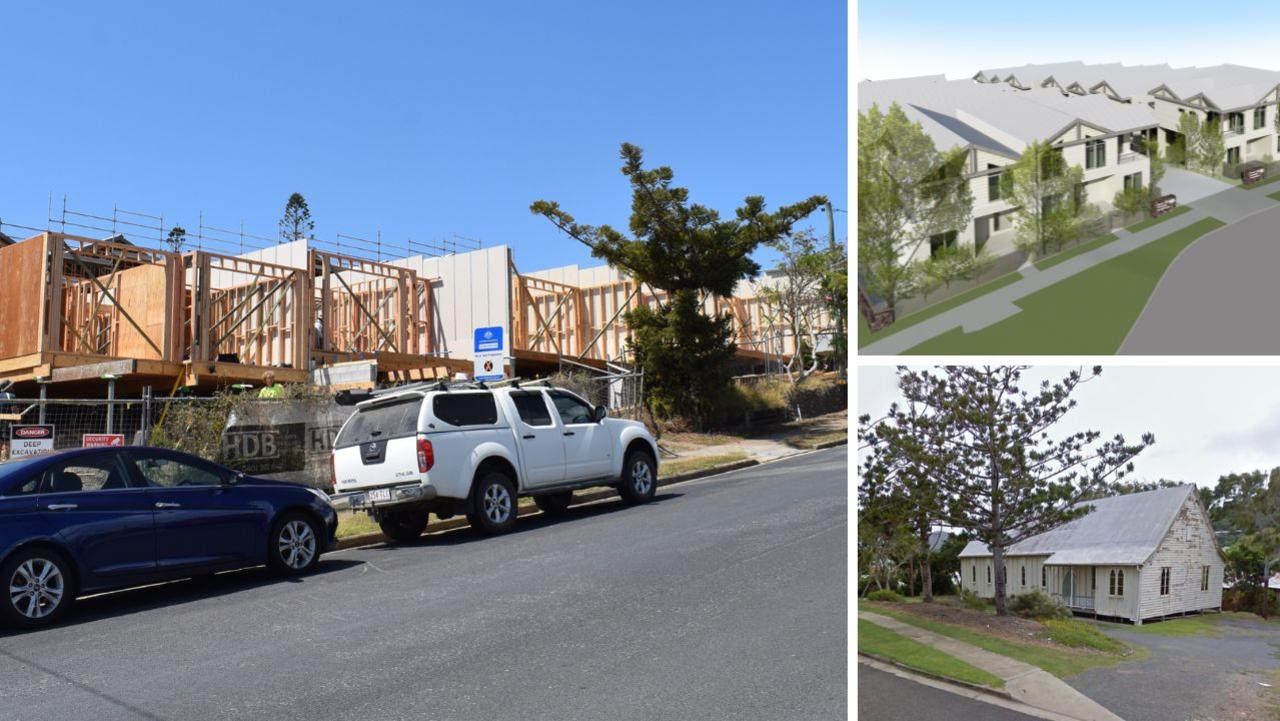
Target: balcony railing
column 1230, row 131
column 1129, row 158
column 1079, row 603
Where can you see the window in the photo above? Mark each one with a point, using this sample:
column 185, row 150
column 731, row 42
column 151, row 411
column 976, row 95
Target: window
column 1259, row 117
column 1093, row 579
column 1044, row 578
column 1095, row 154
column 531, row 407
column 942, row 240
column 171, row 473
column 1235, row 121
column 1133, row 182
column 1233, row 156
column 465, row 409
column 974, row 568
column 572, row 409
column 15, row 475
column 993, row 185
column 380, row 422
column 1204, row 578
column 101, row 472
column 1024, row 575
column 1117, row 582
column 1164, row 581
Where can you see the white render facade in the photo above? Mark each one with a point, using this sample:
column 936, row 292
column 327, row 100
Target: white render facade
column 1135, row 557
column 994, row 123
column 1243, row 99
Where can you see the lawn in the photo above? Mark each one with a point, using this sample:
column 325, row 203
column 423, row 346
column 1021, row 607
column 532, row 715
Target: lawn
column 1090, row 312
column 1144, row 224
column 1204, row 625
column 699, row 463
column 1069, row 254
column 1263, row 182
column 1061, row 662
column 865, row 335
column 880, row 641
column 356, row 524
column 1274, row 196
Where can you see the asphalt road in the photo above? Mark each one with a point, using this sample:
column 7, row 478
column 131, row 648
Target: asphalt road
column 1220, row 295
column 885, row 697
column 725, row 598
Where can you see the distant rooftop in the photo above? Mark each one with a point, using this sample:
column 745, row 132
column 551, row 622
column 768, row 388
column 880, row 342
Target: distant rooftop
column 1226, row 87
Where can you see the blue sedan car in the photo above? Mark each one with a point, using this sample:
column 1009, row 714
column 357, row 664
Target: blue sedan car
column 92, row 519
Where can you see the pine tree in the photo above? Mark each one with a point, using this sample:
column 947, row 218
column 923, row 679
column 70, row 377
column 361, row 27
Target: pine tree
column 296, row 223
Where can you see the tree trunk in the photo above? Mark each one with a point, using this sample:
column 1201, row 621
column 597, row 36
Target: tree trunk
column 926, row 575
column 997, row 563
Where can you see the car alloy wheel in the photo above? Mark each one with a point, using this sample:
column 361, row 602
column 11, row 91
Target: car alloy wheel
column 497, row 503
column 641, row 477
column 36, row 588
column 297, row 544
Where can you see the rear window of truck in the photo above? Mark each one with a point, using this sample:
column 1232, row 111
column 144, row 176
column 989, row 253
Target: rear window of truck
column 380, row 422
column 465, row 409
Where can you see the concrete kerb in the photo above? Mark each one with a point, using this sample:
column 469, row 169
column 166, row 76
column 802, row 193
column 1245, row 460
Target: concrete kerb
column 579, row 499
column 975, row 687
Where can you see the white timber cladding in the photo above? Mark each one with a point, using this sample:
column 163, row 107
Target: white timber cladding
column 469, row 290
column 1186, row 550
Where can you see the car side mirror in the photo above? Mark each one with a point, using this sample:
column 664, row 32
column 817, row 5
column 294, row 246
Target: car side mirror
column 234, row 479
column 600, row 414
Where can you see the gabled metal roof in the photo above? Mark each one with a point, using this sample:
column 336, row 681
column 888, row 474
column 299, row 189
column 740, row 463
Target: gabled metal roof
column 1119, row 531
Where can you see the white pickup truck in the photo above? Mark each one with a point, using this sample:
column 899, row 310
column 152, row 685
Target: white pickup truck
column 474, row 451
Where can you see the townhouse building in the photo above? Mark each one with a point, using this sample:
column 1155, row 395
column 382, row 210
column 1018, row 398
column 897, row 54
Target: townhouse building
column 1245, row 101
column 994, row 122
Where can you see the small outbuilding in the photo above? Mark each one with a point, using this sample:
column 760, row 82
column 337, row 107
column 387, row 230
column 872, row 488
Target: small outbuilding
column 1135, row 557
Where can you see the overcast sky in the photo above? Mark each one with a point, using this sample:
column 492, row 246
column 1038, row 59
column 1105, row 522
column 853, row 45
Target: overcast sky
column 1208, row 421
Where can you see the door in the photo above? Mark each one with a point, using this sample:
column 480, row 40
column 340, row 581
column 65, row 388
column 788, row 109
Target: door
column 588, row 449
column 107, row 522
column 541, row 443
column 981, row 231
column 1067, row 583
column 200, row 520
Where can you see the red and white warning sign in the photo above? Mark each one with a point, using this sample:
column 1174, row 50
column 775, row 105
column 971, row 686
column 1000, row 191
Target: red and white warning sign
column 30, row 440
column 102, row 440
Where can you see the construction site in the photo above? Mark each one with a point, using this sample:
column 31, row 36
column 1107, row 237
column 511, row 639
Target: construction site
column 96, row 296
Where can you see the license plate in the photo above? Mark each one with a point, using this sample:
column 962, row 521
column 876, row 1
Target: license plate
column 380, row 494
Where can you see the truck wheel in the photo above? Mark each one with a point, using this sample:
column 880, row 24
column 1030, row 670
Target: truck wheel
column 554, row 504
column 41, row 587
column 295, row 545
column 639, row 479
column 403, row 526
column 493, row 503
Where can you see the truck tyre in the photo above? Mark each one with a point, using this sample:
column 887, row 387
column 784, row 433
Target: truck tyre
column 41, row 587
column 294, row 545
column 639, row 477
column 554, row 504
column 403, row 526
column 493, row 503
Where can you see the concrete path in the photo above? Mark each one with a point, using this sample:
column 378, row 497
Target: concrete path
column 1229, row 206
column 1026, row 683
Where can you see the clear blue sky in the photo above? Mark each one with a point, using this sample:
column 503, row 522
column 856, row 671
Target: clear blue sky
column 422, row 119
column 927, row 37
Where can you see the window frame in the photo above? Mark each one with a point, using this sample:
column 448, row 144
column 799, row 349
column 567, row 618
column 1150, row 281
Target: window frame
column 1204, row 578
column 1095, row 153
column 551, row 395
column 1166, row 578
column 546, row 408
column 453, row 396
column 135, row 457
column 131, row 480
column 1260, row 117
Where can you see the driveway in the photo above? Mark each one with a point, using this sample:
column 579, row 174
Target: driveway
column 725, row 598
column 1221, row 293
column 1190, row 678
column 1190, row 186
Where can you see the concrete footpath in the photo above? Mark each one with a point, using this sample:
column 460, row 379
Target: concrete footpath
column 1025, row 683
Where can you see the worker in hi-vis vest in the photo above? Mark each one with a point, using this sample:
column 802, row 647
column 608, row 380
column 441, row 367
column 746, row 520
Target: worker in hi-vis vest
column 270, row 389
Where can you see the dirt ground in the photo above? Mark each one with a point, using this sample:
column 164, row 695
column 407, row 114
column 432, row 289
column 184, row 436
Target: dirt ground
column 1018, row 629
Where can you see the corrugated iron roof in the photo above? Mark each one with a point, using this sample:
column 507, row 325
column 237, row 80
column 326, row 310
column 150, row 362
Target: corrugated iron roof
column 1120, row 530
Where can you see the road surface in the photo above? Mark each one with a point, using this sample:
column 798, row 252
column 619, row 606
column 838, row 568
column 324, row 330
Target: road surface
column 885, row 697
column 725, row 598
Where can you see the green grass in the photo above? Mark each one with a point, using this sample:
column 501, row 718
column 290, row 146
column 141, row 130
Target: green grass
column 1274, row 196
column 1069, row 254
column 1144, row 224
column 1078, row 634
column 865, row 335
column 356, row 524
column 880, row 641
column 1061, row 662
column 699, row 463
column 1264, row 182
column 1090, row 312
column 1206, row 625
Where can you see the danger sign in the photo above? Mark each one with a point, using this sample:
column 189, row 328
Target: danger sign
column 30, row 440
column 102, row 440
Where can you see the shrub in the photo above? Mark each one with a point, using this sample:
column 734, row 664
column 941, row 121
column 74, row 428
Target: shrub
column 886, row 595
column 972, row 600
column 1038, row 605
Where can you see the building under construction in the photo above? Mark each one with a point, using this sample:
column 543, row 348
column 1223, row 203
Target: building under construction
column 76, row 309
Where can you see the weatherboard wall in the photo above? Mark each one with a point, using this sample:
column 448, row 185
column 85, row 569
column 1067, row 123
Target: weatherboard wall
column 1186, row 549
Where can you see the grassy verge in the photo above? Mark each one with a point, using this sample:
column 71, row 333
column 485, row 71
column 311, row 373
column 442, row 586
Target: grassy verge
column 1090, row 312
column 1274, row 196
column 882, row 642
column 1206, row 625
column 1264, row 182
column 1069, row 254
column 1144, row 224
column 1061, row 662
column 356, row 524
column 817, row 440
column 1078, row 634
column 865, row 335
column 699, row 463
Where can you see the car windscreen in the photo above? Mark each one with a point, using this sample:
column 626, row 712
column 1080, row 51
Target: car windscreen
column 380, row 422
column 465, row 409
column 16, row 476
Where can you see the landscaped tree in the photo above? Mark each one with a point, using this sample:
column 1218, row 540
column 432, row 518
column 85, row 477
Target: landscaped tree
column 177, row 238
column 835, row 289
column 1189, row 135
column 798, row 302
column 688, row 251
column 988, row 442
column 1212, row 147
column 949, row 265
column 908, row 192
column 1042, row 186
column 296, row 223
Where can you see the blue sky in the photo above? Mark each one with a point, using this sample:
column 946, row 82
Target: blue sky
column 925, row 37
column 419, row 119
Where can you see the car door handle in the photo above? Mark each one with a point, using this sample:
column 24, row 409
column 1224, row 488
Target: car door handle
column 162, row 504
column 529, row 437
column 61, row 506
column 568, row 433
